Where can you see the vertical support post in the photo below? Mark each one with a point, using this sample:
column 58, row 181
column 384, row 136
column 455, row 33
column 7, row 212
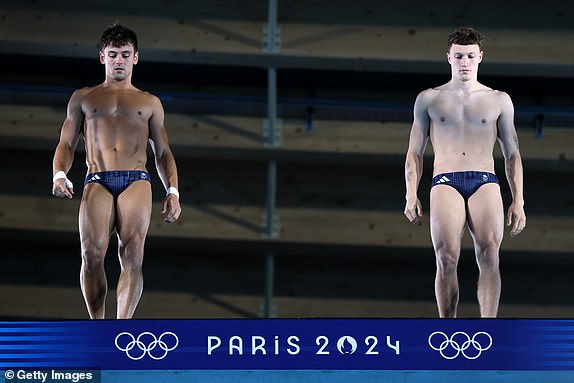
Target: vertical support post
column 270, row 217
column 539, row 125
column 269, row 309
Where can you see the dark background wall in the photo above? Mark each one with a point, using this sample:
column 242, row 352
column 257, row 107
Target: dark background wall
column 353, row 69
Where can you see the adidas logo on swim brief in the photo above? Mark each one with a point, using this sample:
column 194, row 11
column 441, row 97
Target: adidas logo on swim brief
column 95, row 177
column 442, row 180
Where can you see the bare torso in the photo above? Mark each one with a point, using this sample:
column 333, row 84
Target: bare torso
column 463, row 128
column 116, row 128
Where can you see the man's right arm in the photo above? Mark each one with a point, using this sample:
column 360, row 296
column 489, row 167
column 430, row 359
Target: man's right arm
column 64, row 154
column 414, row 158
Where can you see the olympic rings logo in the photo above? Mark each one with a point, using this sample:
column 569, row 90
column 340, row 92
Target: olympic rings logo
column 146, row 344
column 460, row 343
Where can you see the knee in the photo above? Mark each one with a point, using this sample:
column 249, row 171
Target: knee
column 93, row 255
column 92, row 260
column 487, row 255
column 446, row 264
column 131, row 265
column 446, row 259
column 131, row 253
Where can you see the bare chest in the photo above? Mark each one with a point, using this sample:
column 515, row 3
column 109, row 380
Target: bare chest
column 471, row 112
column 120, row 106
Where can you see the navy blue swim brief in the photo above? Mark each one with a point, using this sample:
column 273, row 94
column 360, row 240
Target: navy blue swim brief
column 116, row 181
column 466, row 183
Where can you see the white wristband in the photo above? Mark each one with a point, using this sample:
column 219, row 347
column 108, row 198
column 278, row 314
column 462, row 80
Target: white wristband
column 172, row 190
column 59, row 175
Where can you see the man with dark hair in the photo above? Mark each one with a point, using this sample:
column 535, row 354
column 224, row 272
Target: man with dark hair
column 463, row 120
column 118, row 36
column 465, row 36
column 117, row 120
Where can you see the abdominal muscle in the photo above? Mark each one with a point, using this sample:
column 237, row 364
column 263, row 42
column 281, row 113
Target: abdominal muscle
column 115, row 144
column 462, row 161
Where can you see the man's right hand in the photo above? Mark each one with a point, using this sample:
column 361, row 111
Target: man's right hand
column 60, row 189
column 414, row 212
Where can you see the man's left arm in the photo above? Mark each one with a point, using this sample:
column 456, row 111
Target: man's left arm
column 164, row 162
column 508, row 139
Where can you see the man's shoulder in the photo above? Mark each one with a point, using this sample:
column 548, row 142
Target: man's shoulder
column 149, row 95
column 428, row 94
column 500, row 93
column 85, row 90
column 434, row 91
column 493, row 92
column 145, row 95
column 79, row 95
column 495, row 95
column 430, row 91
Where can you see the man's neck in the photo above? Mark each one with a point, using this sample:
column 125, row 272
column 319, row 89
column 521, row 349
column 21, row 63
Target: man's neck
column 112, row 83
column 464, row 86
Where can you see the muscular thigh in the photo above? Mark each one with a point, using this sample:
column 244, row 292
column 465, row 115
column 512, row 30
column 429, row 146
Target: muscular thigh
column 486, row 214
column 134, row 211
column 447, row 217
column 96, row 218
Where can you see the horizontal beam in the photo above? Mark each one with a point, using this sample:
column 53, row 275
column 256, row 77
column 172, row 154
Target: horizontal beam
column 299, row 226
column 226, row 37
column 37, row 127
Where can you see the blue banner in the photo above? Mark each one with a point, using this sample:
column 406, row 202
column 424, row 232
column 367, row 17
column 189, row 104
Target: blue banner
column 290, row 344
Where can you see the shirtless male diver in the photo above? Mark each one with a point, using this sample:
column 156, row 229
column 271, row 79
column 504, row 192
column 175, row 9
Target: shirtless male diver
column 464, row 119
column 117, row 120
